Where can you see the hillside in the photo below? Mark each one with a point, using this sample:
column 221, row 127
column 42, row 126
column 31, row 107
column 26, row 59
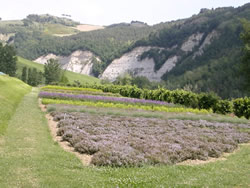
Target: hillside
column 72, row 76
column 12, row 91
column 201, row 53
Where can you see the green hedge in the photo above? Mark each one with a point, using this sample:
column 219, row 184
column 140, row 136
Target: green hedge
column 240, row 107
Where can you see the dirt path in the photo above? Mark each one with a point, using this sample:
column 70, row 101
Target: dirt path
column 85, row 159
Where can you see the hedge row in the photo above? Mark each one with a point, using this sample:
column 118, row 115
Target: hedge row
column 240, row 107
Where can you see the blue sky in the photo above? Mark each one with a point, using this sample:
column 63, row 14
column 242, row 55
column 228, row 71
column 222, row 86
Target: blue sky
column 106, row 12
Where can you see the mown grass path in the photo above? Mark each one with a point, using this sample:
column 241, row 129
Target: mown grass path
column 30, row 158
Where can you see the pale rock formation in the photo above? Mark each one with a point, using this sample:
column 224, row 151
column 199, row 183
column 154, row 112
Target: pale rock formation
column 130, row 63
column 191, row 42
column 210, row 37
column 78, row 61
column 6, row 37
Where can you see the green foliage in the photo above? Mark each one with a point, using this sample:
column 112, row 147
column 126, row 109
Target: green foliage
column 242, row 107
column 34, row 77
column 24, row 74
column 207, row 100
column 7, row 60
column 124, row 80
column 64, row 80
column 97, row 68
column 223, row 107
column 245, row 36
column 46, row 18
column 52, row 71
column 143, row 82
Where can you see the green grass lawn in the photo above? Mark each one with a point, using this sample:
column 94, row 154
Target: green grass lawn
column 12, row 91
column 70, row 75
column 30, row 158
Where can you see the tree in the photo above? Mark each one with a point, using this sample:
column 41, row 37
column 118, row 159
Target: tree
column 29, row 79
column 24, row 74
column 126, row 79
column 63, row 79
column 245, row 36
column 141, row 82
column 8, row 60
column 52, row 71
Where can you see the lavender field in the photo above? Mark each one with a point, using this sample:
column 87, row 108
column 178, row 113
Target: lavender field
column 134, row 141
column 134, row 137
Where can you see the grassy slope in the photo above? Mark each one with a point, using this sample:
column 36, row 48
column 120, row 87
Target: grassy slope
column 70, row 75
column 12, row 91
column 58, row 29
column 30, row 158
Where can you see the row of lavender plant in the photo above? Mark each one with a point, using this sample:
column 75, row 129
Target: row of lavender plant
column 99, row 98
column 130, row 141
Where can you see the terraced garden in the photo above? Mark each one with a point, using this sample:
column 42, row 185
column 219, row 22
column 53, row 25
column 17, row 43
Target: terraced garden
column 120, row 131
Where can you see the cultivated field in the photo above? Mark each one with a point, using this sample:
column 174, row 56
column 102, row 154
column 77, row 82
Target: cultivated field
column 140, row 132
column 29, row 157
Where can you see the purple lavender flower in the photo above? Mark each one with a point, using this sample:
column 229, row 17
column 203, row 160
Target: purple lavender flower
column 99, row 98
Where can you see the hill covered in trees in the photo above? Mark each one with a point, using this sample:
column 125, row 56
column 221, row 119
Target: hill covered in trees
column 215, row 66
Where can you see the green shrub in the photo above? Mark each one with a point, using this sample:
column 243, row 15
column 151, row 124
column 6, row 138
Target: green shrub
column 223, row 107
column 207, row 100
column 241, row 107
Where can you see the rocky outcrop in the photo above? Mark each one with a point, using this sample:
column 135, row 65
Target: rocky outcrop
column 6, row 37
column 209, row 38
column 192, row 41
column 130, row 63
column 78, row 61
column 44, row 59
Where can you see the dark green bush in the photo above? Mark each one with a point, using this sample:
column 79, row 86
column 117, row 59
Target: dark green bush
column 223, row 107
column 207, row 100
column 241, row 107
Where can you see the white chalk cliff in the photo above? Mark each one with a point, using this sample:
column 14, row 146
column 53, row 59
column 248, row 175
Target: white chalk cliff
column 78, row 61
column 130, row 62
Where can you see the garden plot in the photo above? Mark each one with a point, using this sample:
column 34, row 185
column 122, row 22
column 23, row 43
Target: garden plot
column 126, row 140
column 134, row 141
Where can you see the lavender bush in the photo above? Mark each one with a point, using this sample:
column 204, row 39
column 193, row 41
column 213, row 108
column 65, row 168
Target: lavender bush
column 99, row 98
column 134, row 141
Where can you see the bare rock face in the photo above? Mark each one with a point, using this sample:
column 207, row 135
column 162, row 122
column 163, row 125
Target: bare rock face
column 6, row 37
column 210, row 37
column 192, row 41
column 130, row 63
column 78, row 61
column 43, row 59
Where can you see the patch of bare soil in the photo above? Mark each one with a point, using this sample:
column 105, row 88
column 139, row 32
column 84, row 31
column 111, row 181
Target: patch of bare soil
column 86, row 28
column 85, row 159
